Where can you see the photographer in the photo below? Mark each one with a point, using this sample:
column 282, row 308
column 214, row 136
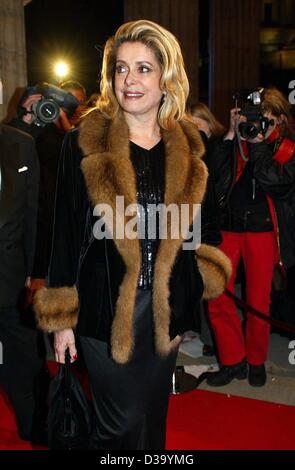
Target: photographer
column 46, row 104
column 70, row 98
column 255, row 179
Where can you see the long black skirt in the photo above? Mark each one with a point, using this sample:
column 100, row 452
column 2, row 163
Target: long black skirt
column 131, row 400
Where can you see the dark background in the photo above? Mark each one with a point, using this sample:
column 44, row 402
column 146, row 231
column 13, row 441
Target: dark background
column 69, row 30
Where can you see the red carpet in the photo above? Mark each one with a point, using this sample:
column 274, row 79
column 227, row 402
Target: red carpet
column 202, row 420
column 9, row 439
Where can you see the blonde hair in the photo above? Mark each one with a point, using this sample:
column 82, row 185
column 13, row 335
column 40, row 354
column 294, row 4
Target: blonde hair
column 275, row 103
column 200, row 110
column 173, row 82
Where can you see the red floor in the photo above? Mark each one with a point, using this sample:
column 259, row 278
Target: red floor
column 202, row 420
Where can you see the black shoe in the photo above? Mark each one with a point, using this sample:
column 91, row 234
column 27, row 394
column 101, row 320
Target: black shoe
column 208, row 350
column 227, row 373
column 257, row 375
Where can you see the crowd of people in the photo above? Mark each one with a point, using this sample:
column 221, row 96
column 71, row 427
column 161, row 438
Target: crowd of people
column 123, row 303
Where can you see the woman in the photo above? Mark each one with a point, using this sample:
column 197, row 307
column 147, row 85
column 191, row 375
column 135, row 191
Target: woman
column 206, row 121
column 132, row 293
column 255, row 189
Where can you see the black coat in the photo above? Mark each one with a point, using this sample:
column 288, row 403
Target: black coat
column 18, row 211
column 276, row 179
column 105, row 272
column 48, row 145
column 48, row 141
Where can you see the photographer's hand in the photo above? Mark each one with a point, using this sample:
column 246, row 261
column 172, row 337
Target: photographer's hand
column 64, row 121
column 234, row 120
column 27, row 104
column 257, row 139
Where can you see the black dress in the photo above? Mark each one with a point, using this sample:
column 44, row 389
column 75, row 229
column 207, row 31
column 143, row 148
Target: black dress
column 131, row 400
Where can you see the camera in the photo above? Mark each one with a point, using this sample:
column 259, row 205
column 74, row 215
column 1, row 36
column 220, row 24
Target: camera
column 53, row 98
column 251, row 108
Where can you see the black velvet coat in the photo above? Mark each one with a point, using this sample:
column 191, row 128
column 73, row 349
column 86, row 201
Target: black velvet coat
column 98, row 278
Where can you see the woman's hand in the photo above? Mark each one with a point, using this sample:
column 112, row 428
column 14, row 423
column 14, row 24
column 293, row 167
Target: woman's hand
column 62, row 340
column 27, row 104
column 234, row 120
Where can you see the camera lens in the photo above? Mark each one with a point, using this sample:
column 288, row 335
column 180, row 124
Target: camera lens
column 248, row 130
column 47, row 111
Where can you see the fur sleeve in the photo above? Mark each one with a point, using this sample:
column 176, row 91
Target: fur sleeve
column 215, row 269
column 56, row 308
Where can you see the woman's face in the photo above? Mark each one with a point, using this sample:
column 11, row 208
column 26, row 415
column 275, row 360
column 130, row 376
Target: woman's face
column 274, row 122
column 137, row 79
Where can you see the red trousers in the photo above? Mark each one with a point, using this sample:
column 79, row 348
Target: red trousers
column 258, row 251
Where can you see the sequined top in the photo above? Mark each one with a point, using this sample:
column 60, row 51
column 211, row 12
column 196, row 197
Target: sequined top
column 149, row 166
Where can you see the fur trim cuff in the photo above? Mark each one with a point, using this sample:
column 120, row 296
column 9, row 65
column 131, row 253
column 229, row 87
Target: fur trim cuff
column 56, row 308
column 215, row 269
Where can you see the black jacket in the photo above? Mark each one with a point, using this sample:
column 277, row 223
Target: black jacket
column 48, row 141
column 105, row 272
column 19, row 169
column 276, row 179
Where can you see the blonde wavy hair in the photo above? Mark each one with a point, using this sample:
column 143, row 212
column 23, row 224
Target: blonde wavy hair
column 173, row 82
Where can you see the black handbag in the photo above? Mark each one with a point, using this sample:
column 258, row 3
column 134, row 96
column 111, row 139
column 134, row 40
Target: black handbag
column 69, row 418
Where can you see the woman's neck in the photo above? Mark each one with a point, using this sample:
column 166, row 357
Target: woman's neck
column 143, row 131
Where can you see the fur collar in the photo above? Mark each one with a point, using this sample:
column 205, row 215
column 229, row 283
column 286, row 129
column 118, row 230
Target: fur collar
column 108, row 172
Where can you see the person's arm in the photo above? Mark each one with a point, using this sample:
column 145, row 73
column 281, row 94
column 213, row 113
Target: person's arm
column 31, row 206
column 214, row 266
column 221, row 165
column 57, row 305
column 69, row 215
column 234, row 120
column 210, row 216
column 64, row 121
column 221, row 153
column 277, row 179
column 24, row 121
column 30, row 129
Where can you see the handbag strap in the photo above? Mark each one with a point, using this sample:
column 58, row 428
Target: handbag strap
column 68, row 382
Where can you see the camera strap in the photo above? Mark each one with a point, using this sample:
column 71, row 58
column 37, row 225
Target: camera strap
column 243, row 148
column 242, row 157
